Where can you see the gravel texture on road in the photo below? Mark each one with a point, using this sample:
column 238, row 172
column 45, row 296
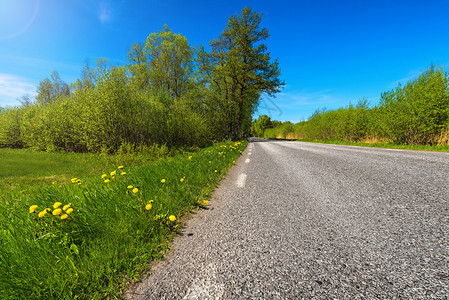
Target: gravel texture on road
column 297, row 220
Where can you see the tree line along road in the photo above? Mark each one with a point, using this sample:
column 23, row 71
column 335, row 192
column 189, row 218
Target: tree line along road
column 297, row 220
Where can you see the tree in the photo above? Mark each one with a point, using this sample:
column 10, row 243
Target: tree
column 258, row 126
column 138, row 66
column 240, row 70
column 170, row 63
column 50, row 89
column 25, row 100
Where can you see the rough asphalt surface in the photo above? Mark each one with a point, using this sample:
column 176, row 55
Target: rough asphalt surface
column 314, row 221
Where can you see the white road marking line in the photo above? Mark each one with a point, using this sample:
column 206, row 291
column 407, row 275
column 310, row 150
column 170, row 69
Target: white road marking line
column 206, row 286
column 241, row 181
column 247, row 160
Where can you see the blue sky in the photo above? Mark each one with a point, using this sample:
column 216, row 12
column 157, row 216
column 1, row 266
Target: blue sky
column 330, row 52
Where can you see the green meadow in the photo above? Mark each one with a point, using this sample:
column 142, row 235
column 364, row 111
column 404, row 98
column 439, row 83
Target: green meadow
column 91, row 224
column 23, row 168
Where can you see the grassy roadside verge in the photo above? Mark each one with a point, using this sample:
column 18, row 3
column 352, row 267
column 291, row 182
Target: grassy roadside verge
column 442, row 148
column 25, row 169
column 100, row 232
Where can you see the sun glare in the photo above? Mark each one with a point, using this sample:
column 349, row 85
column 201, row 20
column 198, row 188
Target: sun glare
column 16, row 17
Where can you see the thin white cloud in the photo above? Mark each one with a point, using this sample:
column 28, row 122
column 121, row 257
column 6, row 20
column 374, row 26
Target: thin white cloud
column 38, row 63
column 412, row 75
column 403, row 81
column 105, row 12
column 13, row 87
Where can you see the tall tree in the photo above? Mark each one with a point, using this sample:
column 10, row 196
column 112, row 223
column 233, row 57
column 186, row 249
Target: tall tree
column 138, row 66
column 170, row 63
column 240, row 71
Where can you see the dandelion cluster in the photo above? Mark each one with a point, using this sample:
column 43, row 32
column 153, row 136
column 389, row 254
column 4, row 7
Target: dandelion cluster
column 75, row 180
column 113, row 174
column 63, row 212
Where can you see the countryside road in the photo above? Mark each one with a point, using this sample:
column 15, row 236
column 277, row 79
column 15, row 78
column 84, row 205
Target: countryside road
column 299, row 220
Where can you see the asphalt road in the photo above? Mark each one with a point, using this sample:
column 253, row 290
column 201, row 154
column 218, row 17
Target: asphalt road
column 311, row 221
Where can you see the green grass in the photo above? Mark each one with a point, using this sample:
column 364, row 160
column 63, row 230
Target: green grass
column 110, row 236
column 25, row 169
column 22, row 169
column 442, row 148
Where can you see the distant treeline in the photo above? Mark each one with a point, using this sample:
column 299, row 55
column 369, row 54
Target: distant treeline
column 417, row 113
column 168, row 93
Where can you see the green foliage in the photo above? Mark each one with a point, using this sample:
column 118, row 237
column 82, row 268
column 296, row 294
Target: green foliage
column 260, row 125
column 417, row 112
column 120, row 221
column 414, row 114
column 10, row 129
column 49, row 90
column 238, row 71
column 167, row 94
column 170, row 64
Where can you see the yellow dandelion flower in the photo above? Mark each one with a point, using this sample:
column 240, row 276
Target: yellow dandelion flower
column 106, row 181
column 233, row 161
column 67, row 206
column 172, row 218
column 57, row 212
column 64, row 216
column 216, row 171
column 123, row 173
column 53, row 182
column 113, row 173
column 190, row 157
column 148, row 206
column 33, row 208
column 57, row 204
column 73, row 180
column 135, row 190
column 103, row 176
column 130, row 187
column 210, row 162
column 42, row 213
column 151, row 201
column 120, row 167
column 182, row 179
column 205, row 202
column 163, row 180
column 69, row 210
